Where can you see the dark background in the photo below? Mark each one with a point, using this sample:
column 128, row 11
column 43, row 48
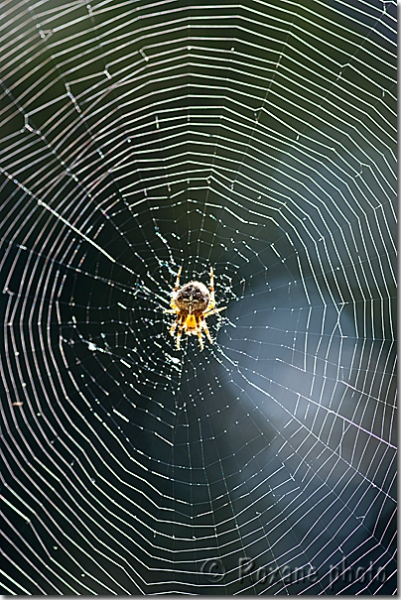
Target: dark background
column 256, row 138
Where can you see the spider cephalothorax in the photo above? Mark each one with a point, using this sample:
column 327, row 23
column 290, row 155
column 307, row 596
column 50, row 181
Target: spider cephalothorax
column 192, row 304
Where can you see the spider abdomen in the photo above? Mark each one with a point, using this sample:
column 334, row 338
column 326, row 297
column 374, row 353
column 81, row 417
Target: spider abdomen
column 193, row 297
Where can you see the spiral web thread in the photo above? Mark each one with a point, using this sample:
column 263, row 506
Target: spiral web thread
column 258, row 139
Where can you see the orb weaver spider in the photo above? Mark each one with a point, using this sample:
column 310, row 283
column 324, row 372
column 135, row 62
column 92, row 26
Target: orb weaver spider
column 192, row 304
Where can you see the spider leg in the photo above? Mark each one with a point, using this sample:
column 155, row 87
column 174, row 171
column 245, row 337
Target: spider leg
column 212, row 302
column 200, row 339
column 177, row 281
column 173, row 327
column 209, row 337
column 173, row 305
column 178, row 338
column 213, row 312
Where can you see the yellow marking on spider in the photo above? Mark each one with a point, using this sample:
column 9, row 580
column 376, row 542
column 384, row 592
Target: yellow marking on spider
column 190, row 322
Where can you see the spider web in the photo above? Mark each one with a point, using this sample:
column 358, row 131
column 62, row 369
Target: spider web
column 257, row 138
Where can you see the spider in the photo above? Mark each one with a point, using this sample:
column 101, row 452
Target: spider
column 192, row 304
